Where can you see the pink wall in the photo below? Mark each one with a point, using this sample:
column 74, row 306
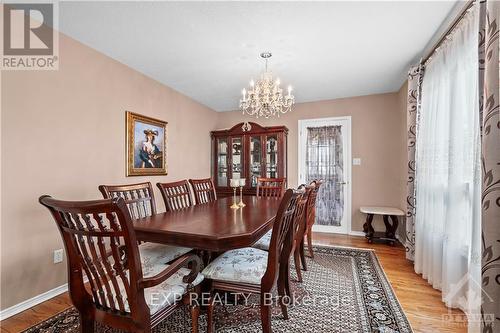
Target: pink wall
column 377, row 138
column 63, row 134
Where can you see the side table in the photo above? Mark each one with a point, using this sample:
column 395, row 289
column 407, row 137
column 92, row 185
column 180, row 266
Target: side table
column 390, row 229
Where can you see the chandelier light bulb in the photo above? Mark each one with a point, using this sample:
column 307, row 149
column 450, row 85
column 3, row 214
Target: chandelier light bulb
column 252, row 83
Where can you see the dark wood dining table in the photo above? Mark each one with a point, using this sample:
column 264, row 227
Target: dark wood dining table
column 213, row 226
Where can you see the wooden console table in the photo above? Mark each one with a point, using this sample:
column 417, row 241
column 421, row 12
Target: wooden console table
column 390, row 229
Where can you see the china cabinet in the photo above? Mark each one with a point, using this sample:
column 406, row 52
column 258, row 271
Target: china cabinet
column 248, row 150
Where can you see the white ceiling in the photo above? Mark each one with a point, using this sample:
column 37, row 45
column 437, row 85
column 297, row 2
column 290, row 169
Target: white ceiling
column 210, row 50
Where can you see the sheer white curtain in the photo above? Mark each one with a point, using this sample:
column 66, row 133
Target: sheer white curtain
column 447, row 235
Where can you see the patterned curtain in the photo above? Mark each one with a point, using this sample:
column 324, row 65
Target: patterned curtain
column 414, row 84
column 489, row 110
column 324, row 161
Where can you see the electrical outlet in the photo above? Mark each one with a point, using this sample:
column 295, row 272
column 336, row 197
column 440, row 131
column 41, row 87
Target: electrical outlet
column 356, row 161
column 58, row 256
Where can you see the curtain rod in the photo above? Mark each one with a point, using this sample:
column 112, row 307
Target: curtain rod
column 455, row 22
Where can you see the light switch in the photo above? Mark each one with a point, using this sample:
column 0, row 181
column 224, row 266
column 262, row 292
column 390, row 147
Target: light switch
column 356, row 161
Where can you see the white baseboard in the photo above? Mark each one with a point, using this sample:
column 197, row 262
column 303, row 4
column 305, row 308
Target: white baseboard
column 29, row 303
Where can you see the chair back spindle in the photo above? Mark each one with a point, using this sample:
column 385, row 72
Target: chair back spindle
column 139, row 198
column 204, row 190
column 270, row 187
column 176, row 195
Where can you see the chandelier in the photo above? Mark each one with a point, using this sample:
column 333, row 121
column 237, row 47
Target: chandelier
column 265, row 98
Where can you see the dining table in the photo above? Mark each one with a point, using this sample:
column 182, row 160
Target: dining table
column 213, row 226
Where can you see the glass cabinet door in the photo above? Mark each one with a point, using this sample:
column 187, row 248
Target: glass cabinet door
column 255, row 159
column 222, row 162
column 272, row 156
column 237, row 157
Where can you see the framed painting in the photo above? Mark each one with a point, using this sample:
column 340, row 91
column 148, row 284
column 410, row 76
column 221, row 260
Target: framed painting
column 146, row 145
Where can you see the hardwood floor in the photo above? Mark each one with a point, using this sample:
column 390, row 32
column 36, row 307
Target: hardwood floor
column 421, row 303
column 36, row 314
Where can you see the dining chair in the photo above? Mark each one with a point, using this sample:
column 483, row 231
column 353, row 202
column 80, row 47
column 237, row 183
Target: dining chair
column 298, row 232
column 123, row 293
column 270, row 187
column 254, row 271
column 311, row 217
column 139, row 197
column 140, row 202
column 176, row 195
column 204, row 190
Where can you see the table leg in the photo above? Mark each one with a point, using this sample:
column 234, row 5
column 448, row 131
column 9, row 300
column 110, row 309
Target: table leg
column 367, row 227
column 394, row 226
column 388, row 227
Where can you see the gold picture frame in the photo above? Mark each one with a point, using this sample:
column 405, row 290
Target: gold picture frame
column 146, row 141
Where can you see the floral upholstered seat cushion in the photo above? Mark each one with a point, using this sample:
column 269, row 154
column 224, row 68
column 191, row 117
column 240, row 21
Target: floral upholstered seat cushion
column 264, row 241
column 246, row 265
column 152, row 253
column 166, row 293
column 169, row 291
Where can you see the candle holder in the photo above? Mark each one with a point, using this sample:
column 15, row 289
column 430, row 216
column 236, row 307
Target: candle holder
column 234, row 205
column 234, row 183
column 242, row 184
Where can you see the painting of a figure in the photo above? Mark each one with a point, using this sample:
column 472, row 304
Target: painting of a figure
column 146, row 145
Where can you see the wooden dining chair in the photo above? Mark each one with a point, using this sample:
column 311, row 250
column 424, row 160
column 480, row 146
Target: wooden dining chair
column 123, row 293
column 139, row 197
column 270, row 187
column 140, row 201
column 176, row 195
column 299, row 228
column 251, row 270
column 204, row 190
column 311, row 217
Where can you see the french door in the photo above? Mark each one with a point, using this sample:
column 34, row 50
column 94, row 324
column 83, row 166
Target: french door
column 325, row 154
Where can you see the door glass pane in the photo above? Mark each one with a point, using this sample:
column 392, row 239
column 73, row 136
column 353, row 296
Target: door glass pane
column 237, row 167
column 324, row 162
column 255, row 159
column 272, row 156
column 222, row 162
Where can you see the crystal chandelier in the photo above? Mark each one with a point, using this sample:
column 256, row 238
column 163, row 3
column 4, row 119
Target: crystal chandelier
column 265, row 98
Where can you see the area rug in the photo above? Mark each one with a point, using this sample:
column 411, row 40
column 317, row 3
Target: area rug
column 344, row 290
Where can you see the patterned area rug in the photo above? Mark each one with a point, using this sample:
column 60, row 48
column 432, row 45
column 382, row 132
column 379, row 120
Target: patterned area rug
column 344, row 290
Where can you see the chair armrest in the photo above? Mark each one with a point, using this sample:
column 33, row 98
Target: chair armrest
column 191, row 261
